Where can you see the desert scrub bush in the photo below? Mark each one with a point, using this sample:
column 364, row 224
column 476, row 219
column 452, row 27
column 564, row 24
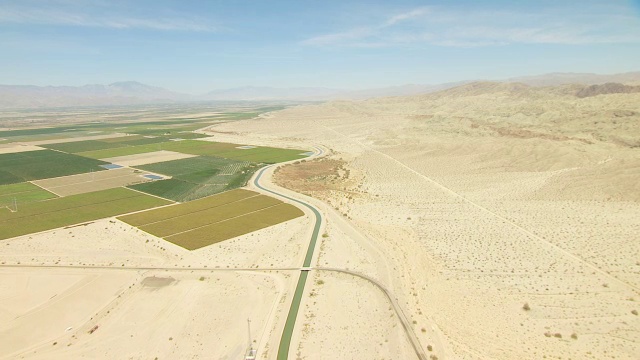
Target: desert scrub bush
column 526, row 307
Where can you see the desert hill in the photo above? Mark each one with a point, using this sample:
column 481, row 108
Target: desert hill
column 608, row 88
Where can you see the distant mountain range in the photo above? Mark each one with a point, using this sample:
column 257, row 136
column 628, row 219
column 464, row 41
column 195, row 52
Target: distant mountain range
column 131, row 92
column 118, row 93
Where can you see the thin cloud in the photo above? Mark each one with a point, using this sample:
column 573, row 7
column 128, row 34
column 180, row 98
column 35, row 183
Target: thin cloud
column 406, row 16
column 37, row 16
column 448, row 27
column 330, row 39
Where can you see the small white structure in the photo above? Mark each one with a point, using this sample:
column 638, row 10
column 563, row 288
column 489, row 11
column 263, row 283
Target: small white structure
column 251, row 354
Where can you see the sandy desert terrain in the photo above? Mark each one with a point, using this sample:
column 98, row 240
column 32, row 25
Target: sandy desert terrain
column 504, row 218
column 501, row 219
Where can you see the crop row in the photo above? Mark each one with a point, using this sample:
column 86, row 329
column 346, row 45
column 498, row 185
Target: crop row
column 217, row 232
column 209, row 216
column 157, row 215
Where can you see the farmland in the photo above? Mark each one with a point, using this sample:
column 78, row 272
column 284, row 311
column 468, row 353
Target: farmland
column 51, row 214
column 257, row 154
column 213, row 219
column 265, row 155
column 80, row 146
column 147, row 158
column 87, row 146
column 22, row 193
column 42, row 164
column 89, row 182
column 196, row 177
column 122, row 151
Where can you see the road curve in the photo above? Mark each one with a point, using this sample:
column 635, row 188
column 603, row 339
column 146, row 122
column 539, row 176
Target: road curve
column 285, row 340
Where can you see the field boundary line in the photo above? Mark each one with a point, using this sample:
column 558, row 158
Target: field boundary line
column 53, row 192
column 144, row 193
column 221, row 221
column 195, row 212
column 506, row 220
column 71, row 208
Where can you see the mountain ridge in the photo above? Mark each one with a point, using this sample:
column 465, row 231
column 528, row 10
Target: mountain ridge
column 133, row 92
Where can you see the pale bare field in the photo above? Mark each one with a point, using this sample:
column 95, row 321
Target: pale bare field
column 58, row 139
column 471, row 203
column 147, row 158
column 13, row 148
column 94, row 181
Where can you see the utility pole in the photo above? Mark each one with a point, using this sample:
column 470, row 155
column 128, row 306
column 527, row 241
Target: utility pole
column 249, row 328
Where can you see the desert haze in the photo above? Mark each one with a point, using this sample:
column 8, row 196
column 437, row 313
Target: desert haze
column 486, row 221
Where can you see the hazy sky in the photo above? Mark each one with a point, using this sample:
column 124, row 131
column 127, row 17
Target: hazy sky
column 198, row 46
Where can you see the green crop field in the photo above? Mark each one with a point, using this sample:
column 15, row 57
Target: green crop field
column 51, row 214
column 81, row 146
column 177, row 190
column 37, row 131
column 196, row 169
column 197, row 177
column 43, row 164
column 258, row 154
column 213, row 219
column 21, row 193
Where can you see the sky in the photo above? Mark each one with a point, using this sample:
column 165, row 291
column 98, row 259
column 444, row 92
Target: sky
column 198, row 46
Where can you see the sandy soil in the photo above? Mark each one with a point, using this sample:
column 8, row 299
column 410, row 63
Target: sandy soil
column 467, row 224
column 54, row 280
column 147, row 158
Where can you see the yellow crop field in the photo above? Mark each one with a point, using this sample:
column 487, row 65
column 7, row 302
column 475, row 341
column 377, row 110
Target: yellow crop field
column 213, row 219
